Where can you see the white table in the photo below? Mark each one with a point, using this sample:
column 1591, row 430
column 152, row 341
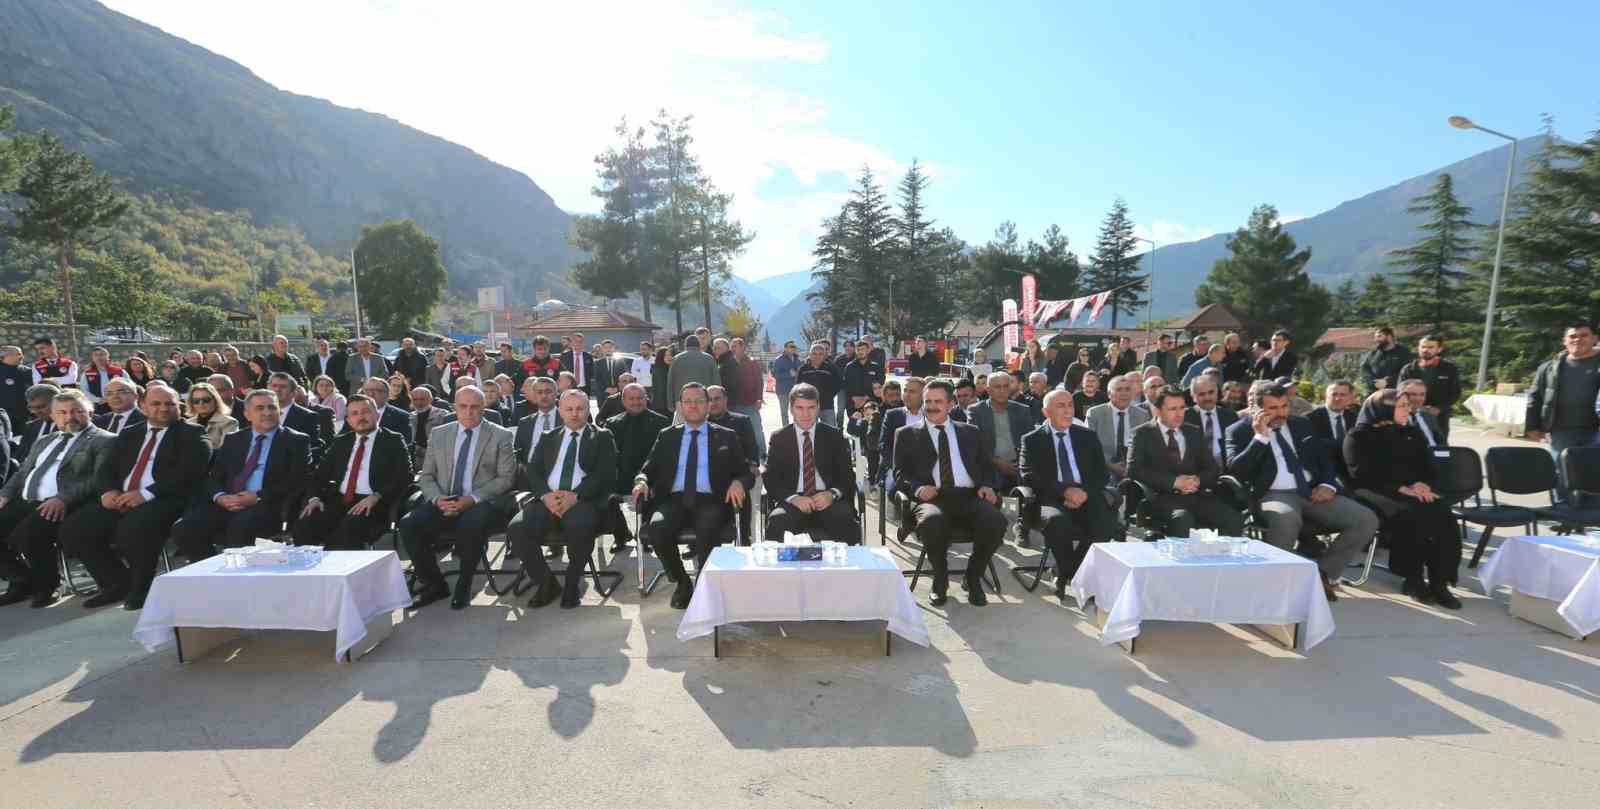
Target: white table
column 869, row 587
column 1131, row 582
column 1554, row 581
column 343, row 594
column 1509, row 413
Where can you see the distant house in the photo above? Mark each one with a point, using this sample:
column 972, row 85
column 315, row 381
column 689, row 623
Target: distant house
column 1214, row 321
column 1358, row 340
column 596, row 324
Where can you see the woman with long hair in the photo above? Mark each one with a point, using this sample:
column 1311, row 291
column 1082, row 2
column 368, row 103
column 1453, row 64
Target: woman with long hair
column 257, row 371
column 205, row 410
column 139, row 372
column 169, row 375
column 1392, row 470
column 325, row 392
column 399, row 391
column 661, row 397
column 1032, row 359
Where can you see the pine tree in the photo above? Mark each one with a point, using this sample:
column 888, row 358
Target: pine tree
column 870, row 240
column 923, row 271
column 678, row 179
column 717, row 240
column 1346, row 304
column 1429, row 289
column 1115, row 264
column 1373, row 307
column 831, row 304
column 996, row 274
column 1265, row 281
column 616, row 238
column 1054, row 265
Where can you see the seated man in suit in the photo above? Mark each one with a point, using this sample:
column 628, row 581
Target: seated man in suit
column 612, row 405
column 908, row 415
column 316, row 426
column 1002, row 444
column 364, row 470
column 1416, row 392
column 1334, row 419
column 389, row 417
column 635, row 430
column 39, row 422
column 155, row 468
column 256, row 474
column 570, row 476
column 122, row 410
column 1213, row 419
column 466, row 479
column 811, row 475
column 717, row 413
column 424, row 416
column 55, row 479
column 953, row 488
column 696, row 475
column 1286, row 468
column 1171, row 458
column 1114, row 422
column 1066, row 468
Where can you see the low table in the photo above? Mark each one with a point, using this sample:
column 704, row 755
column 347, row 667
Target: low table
column 869, row 587
column 1499, row 412
column 1554, row 581
column 1132, row 582
column 348, row 593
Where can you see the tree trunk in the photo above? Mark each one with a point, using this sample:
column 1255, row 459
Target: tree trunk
column 64, row 266
column 644, row 295
column 677, row 301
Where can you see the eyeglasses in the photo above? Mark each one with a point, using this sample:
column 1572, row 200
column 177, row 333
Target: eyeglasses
column 200, row 401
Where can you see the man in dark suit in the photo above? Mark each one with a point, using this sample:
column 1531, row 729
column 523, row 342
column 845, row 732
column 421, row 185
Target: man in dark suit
column 1277, row 362
column 571, row 476
column 324, row 362
column 717, row 413
column 953, row 488
column 1416, row 392
column 390, row 418
column 1335, row 419
column 122, row 399
column 154, row 469
column 1066, row 468
column 634, row 430
column 39, row 423
column 1213, row 419
column 807, row 448
column 607, row 371
column 1285, row 466
column 53, row 481
column 612, row 405
column 578, row 362
column 694, row 469
column 1018, row 420
column 420, row 421
column 256, row 474
column 1171, row 458
column 364, row 470
column 893, row 419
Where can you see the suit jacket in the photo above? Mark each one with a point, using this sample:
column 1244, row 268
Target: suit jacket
column 103, row 421
column 982, row 415
column 1038, row 462
column 741, row 424
column 606, row 371
column 75, row 477
column 831, row 455
column 610, row 407
column 392, row 419
column 724, row 452
column 357, row 371
column 635, row 435
column 1225, row 419
column 389, row 471
column 1148, row 462
column 893, row 419
column 436, row 417
column 597, row 457
column 915, row 457
column 288, row 466
column 1103, row 420
column 1255, row 466
column 316, row 366
column 1287, row 363
column 1322, row 423
column 493, row 476
column 179, row 465
column 567, row 364
column 29, row 436
column 315, row 426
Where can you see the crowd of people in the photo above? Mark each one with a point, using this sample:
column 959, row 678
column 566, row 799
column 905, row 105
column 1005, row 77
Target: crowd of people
column 113, row 460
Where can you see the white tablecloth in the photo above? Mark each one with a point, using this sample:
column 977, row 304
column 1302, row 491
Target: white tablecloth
column 1134, row 582
column 1561, row 569
column 869, row 587
column 1492, row 410
column 341, row 594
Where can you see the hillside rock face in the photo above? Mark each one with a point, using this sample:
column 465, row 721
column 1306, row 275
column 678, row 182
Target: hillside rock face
column 164, row 114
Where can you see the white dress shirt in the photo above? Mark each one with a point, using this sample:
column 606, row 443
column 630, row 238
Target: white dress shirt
column 554, row 481
column 144, row 483
column 1422, row 424
column 1216, row 430
column 119, row 421
column 45, row 476
column 472, row 456
column 1072, row 456
column 800, row 463
column 543, row 421
column 914, row 419
column 957, row 468
column 1177, row 432
column 1283, row 481
column 363, row 473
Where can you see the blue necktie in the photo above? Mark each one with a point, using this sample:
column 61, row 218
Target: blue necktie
column 461, row 462
column 1293, row 461
column 1062, row 462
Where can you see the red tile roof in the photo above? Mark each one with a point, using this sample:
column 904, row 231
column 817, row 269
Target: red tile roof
column 597, row 319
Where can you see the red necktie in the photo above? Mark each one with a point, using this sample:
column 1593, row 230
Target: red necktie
column 355, row 471
column 808, row 465
column 144, row 460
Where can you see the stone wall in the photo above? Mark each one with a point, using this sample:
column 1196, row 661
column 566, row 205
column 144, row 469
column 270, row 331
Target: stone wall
column 23, row 334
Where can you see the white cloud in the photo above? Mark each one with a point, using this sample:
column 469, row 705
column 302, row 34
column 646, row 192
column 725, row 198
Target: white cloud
column 1164, row 233
column 539, row 87
column 1284, row 219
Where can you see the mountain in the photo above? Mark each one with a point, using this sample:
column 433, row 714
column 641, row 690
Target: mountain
column 764, row 303
column 786, row 286
column 784, row 324
column 164, row 115
column 1353, row 239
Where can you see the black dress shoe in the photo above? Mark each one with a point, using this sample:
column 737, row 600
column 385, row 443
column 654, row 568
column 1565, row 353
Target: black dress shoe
column 937, row 598
column 548, row 591
column 429, row 594
column 570, row 602
column 976, row 597
column 1061, row 589
column 42, row 600
column 15, row 595
column 1444, row 598
column 103, row 598
column 683, row 594
column 459, row 600
column 134, row 603
column 1417, row 590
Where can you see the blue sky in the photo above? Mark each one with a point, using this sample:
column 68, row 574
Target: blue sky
column 1036, row 112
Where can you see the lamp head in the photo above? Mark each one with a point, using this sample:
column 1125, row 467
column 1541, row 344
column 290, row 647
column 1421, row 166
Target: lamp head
column 1460, row 122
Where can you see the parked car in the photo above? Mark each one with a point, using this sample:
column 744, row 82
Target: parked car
column 123, row 334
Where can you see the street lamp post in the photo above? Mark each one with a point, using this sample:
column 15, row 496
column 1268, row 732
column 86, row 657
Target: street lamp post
column 1460, row 122
column 1150, row 308
column 355, row 294
column 892, row 344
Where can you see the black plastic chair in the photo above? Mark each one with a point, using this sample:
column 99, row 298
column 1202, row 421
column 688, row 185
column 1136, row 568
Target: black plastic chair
column 734, row 532
column 1580, row 466
column 1461, row 477
column 488, row 564
column 605, row 580
column 766, row 506
column 1138, row 503
column 1517, row 470
column 908, row 526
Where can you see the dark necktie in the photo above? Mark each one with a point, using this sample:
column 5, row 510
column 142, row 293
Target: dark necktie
column 1337, row 420
column 1062, row 462
column 1173, row 453
column 569, row 462
column 242, row 479
column 808, row 465
column 691, row 468
column 116, row 423
column 421, row 436
column 1211, row 427
column 49, row 460
column 459, row 478
column 355, row 471
column 144, row 460
column 1293, row 461
column 947, row 472
column 1122, row 437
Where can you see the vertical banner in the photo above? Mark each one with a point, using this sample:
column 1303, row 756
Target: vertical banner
column 1008, row 312
column 1030, row 304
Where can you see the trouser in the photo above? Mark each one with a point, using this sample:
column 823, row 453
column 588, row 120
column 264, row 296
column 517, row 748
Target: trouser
column 754, row 412
column 783, row 406
column 1068, row 532
column 1286, row 512
column 838, row 522
column 1561, row 440
column 1182, row 513
column 534, row 527
column 707, row 515
column 205, row 522
column 28, row 549
column 1423, row 537
column 335, row 528
column 420, row 531
column 120, row 548
column 616, row 523
column 869, row 448
column 959, row 511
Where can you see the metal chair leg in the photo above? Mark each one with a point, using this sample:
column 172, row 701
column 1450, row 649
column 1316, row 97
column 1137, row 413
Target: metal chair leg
column 916, row 573
column 1037, row 571
column 1483, row 542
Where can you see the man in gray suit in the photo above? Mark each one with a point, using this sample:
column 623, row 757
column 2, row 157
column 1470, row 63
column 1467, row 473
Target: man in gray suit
column 362, row 365
column 1005, row 446
column 57, row 477
column 691, row 365
column 1114, row 423
column 421, row 421
column 466, row 479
